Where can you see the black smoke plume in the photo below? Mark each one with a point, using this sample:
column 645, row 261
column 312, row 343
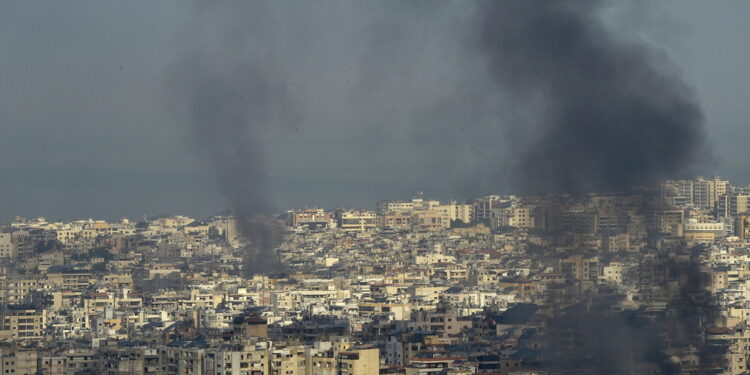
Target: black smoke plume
column 608, row 114
column 599, row 113
column 232, row 96
column 261, row 81
column 228, row 112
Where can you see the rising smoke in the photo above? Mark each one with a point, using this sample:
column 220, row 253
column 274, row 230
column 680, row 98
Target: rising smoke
column 594, row 112
column 260, row 82
column 233, row 95
column 609, row 114
column 600, row 114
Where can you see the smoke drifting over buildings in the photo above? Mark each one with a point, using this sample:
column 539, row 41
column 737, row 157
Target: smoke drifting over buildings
column 233, row 96
column 481, row 96
column 599, row 114
column 595, row 113
column 260, row 78
column 608, row 116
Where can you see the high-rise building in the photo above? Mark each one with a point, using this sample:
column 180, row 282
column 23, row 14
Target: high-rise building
column 731, row 205
column 743, row 226
column 482, row 207
column 699, row 192
column 7, row 250
column 706, row 192
column 459, row 212
column 518, row 216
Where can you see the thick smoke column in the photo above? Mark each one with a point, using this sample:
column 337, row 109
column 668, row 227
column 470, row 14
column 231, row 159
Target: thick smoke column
column 229, row 114
column 232, row 97
column 597, row 114
column 606, row 116
column 260, row 82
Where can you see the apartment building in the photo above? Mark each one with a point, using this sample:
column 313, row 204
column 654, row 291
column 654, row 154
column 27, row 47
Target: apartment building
column 357, row 220
column 69, row 278
column 359, row 361
column 430, row 220
column 733, row 205
column 18, row 361
column 238, row 360
column 21, row 323
column 17, row 290
column 7, row 250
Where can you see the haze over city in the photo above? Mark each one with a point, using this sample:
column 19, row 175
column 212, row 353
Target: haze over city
column 88, row 115
column 494, row 187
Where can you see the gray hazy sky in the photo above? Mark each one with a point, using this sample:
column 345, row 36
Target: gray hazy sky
column 89, row 129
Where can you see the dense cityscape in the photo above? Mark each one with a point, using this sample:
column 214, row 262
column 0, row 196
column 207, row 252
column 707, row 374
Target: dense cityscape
column 492, row 187
column 651, row 281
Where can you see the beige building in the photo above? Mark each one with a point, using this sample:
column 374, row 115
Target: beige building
column 515, row 216
column 118, row 280
column 237, row 360
column 733, row 205
column 17, row 290
column 396, row 220
column 616, row 242
column 667, row 220
column 580, row 267
column 7, row 250
column 124, row 361
column 289, row 361
column 359, row 361
column 612, row 272
column 23, row 324
column 460, row 212
column 316, row 217
column 324, row 363
column 65, row 278
column 357, row 221
column 397, row 206
column 23, row 243
column 699, row 192
column 482, row 207
column 227, row 227
column 81, row 360
column 430, row 220
column 18, row 361
column 743, row 226
column 178, row 360
column 50, row 364
column 429, row 366
column 414, row 204
column 443, row 323
column 707, row 191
